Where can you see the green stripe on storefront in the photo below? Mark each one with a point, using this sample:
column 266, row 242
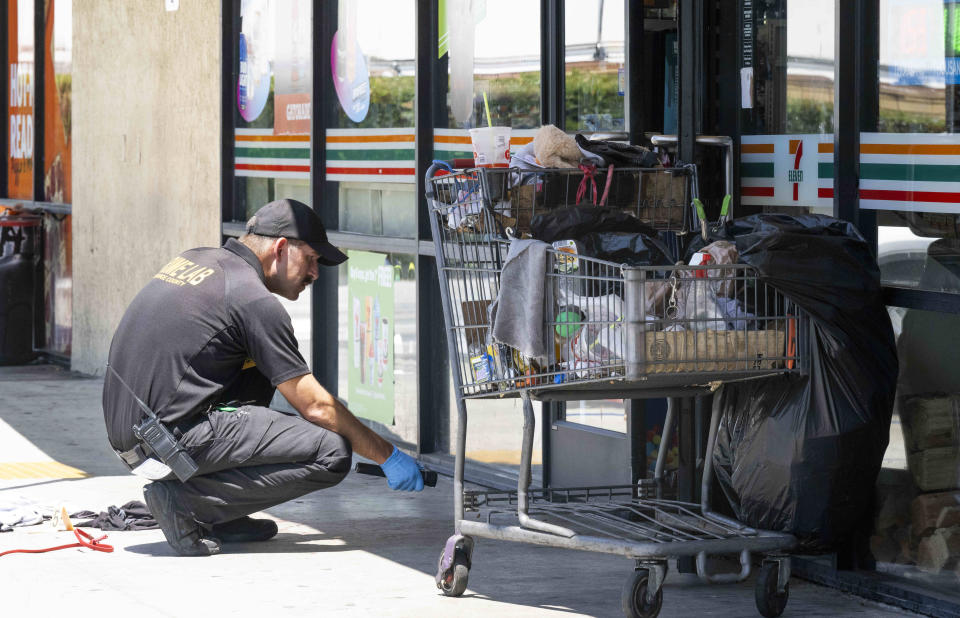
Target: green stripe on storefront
column 273, row 153
column 756, row 170
column 899, row 171
column 919, row 173
column 447, row 155
column 393, row 154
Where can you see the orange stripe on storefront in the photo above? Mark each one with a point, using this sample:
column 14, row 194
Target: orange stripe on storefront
column 367, row 139
column 465, row 139
column 824, row 148
column 756, row 148
column 910, row 149
column 273, row 138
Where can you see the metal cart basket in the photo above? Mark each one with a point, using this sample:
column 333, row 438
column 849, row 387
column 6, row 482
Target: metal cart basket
column 611, row 330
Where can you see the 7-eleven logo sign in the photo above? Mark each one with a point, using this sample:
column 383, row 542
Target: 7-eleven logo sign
column 795, row 175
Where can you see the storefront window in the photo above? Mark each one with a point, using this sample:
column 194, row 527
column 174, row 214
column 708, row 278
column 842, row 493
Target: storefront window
column 272, row 119
column 787, row 99
column 272, row 111
column 57, row 178
column 370, row 151
column 909, row 175
column 494, row 51
column 594, row 81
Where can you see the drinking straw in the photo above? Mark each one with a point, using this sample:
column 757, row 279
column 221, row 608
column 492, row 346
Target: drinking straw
column 486, row 106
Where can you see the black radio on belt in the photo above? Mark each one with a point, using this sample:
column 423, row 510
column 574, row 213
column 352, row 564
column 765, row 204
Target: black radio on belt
column 161, row 441
column 164, row 445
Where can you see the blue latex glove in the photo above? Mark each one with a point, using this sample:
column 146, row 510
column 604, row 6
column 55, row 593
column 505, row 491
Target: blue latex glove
column 402, row 472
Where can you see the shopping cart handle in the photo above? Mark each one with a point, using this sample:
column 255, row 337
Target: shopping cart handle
column 429, row 476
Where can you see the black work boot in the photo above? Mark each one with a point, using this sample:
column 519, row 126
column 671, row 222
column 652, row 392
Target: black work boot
column 180, row 529
column 245, row 530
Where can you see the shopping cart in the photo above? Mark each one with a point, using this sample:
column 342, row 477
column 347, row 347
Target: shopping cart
column 617, row 331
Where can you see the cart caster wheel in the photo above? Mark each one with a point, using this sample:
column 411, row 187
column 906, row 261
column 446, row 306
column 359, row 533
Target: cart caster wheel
column 453, row 581
column 770, row 603
column 634, row 601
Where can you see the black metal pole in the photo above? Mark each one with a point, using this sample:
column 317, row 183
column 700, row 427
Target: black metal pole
column 687, row 113
column 552, row 55
column 39, row 81
column 635, row 92
column 324, row 311
column 552, row 111
column 230, row 26
column 4, row 103
column 846, row 113
column 433, row 364
column 869, row 86
column 39, row 58
column 637, row 438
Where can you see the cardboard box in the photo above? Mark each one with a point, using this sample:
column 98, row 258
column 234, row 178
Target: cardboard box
column 930, row 421
column 932, row 511
column 710, row 350
column 475, row 321
column 663, row 200
column 936, row 469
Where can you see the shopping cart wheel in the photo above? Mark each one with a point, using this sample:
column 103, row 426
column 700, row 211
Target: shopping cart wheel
column 770, row 602
column 634, row 601
column 453, row 581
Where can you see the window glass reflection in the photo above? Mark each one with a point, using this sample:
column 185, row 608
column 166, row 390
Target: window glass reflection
column 910, row 173
column 494, row 49
column 272, row 110
column 787, row 81
column 594, row 36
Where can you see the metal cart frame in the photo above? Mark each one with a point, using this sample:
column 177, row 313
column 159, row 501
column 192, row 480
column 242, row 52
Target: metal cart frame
column 637, row 522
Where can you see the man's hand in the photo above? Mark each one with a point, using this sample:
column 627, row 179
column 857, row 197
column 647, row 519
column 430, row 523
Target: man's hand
column 402, row 472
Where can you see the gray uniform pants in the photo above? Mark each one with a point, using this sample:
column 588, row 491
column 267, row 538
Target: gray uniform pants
column 255, row 458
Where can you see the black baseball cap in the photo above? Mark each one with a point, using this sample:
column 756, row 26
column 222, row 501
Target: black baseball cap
column 293, row 219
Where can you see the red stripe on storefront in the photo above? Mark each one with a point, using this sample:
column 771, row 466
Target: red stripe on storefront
column 909, row 196
column 272, row 168
column 756, row 191
column 826, row 192
column 373, row 171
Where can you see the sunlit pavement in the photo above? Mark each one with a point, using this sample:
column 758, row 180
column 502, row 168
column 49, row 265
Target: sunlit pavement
column 357, row 549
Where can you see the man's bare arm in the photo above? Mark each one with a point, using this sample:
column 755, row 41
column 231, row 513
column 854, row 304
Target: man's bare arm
column 318, row 406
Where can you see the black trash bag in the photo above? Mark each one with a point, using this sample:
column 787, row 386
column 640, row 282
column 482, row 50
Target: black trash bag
column 618, row 153
column 631, row 248
column 573, row 222
column 801, row 453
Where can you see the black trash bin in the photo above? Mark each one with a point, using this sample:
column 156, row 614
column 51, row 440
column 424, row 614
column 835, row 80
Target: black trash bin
column 18, row 285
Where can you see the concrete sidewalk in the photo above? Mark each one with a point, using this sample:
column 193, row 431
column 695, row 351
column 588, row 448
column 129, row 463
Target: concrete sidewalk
column 358, row 549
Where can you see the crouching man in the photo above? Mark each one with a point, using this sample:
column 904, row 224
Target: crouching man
column 203, row 346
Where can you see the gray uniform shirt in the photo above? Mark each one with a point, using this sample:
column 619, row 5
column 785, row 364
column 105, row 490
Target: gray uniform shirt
column 205, row 330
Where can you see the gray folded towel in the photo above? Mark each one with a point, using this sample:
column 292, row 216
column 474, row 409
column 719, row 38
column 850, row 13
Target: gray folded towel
column 525, row 302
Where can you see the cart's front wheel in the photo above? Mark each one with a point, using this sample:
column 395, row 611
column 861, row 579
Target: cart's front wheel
column 770, row 602
column 634, row 598
column 453, row 581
